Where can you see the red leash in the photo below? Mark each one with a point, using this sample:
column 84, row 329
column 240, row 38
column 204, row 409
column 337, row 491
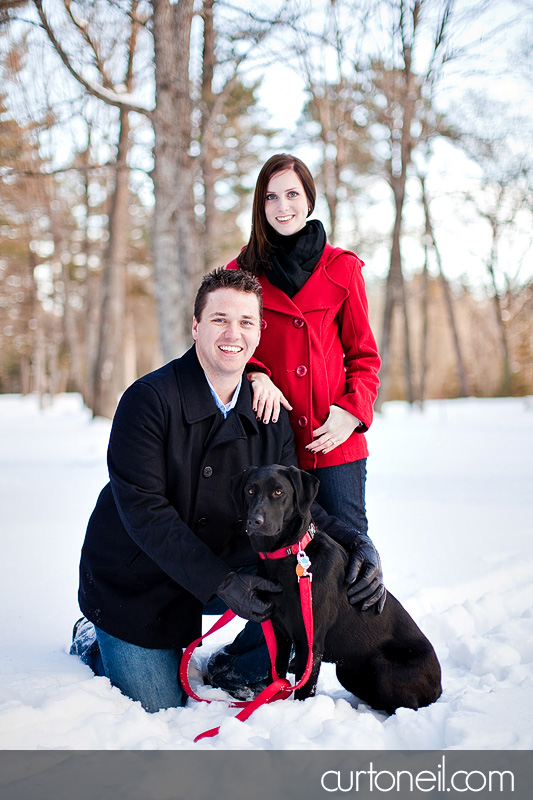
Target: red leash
column 280, row 688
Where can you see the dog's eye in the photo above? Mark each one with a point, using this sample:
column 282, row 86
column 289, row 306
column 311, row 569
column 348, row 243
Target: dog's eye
column 277, row 492
column 250, row 490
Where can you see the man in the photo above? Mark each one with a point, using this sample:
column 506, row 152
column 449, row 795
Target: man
column 165, row 536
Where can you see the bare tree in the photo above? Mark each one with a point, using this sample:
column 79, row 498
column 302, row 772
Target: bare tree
column 109, row 372
column 107, row 380
column 177, row 261
column 430, row 237
column 406, row 94
column 373, row 116
column 502, row 198
column 334, row 72
column 175, row 243
column 207, row 102
column 499, row 217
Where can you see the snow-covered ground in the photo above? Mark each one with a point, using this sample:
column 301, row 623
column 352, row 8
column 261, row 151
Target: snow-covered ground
column 450, row 502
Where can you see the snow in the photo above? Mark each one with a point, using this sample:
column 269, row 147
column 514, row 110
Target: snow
column 450, row 502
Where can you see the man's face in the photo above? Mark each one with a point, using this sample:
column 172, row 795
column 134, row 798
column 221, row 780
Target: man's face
column 227, row 333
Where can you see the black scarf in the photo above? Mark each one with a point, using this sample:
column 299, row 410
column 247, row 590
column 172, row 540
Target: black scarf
column 294, row 257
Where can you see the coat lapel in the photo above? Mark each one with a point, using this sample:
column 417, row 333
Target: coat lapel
column 320, row 291
column 240, row 422
column 198, row 403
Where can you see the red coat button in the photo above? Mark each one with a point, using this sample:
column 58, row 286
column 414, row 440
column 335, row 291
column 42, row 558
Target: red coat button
column 301, row 371
column 298, row 322
column 264, row 324
column 302, row 422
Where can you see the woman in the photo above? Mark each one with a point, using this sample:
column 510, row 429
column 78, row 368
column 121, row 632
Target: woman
column 318, row 348
column 316, row 342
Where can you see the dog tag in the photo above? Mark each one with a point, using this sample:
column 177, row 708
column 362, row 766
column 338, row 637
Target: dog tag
column 303, row 564
column 303, row 560
column 300, row 571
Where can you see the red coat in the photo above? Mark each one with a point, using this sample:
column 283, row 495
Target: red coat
column 320, row 351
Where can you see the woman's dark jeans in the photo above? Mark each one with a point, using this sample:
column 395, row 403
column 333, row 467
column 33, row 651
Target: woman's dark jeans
column 342, row 493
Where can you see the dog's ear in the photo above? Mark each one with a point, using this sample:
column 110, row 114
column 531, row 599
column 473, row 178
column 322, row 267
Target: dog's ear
column 305, row 488
column 237, row 482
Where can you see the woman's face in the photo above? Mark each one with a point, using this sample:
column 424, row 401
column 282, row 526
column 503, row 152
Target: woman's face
column 286, row 204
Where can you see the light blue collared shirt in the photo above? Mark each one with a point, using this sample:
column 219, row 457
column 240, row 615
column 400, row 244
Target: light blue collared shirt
column 225, row 409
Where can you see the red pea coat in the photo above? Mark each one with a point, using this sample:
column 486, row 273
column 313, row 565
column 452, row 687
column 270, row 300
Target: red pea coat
column 320, row 351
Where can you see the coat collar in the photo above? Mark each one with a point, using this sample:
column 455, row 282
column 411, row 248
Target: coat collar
column 198, row 403
column 320, row 291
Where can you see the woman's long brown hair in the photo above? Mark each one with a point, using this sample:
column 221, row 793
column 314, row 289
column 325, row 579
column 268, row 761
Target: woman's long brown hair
column 254, row 257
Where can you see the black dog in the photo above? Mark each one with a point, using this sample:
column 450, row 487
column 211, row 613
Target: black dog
column 384, row 659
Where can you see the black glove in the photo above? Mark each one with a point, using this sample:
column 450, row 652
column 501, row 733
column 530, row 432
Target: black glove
column 364, row 576
column 240, row 591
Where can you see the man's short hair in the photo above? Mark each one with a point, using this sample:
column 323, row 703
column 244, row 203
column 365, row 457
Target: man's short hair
column 222, row 278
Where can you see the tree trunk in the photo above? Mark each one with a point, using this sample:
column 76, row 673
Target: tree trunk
column 505, row 386
column 25, row 375
column 94, row 292
column 72, row 336
column 70, row 332
column 323, row 113
column 109, row 374
column 130, row 351
column 401, row 153
column 208, row 172
column 52, row 351
column 331, row 179
column 425, row 327
column 395, row 296
column 408, row 366
column 37, row 371
column 386, row 331
column 190, row 262
column 174, row 230
column 39, row 383
column 109, row 368
column 461, row 372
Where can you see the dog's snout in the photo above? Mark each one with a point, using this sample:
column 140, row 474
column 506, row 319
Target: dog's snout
column 255, row 520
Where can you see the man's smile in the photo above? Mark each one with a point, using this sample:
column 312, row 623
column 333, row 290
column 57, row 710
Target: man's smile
column 229, row 348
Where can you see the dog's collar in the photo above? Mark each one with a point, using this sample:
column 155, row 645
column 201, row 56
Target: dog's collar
column 295, row 548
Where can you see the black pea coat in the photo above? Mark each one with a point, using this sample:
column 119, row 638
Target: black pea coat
column 165, row 531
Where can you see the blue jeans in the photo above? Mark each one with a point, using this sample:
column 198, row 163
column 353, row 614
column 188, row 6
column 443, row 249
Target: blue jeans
column 342, row 492
column 149, row 675
column 144, row 674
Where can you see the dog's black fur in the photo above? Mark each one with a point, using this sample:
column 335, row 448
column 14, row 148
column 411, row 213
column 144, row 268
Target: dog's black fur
column 384, row 659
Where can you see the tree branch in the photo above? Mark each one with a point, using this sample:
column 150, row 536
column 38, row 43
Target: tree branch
column 222, row 96
column 83, row 28
column 122, row 101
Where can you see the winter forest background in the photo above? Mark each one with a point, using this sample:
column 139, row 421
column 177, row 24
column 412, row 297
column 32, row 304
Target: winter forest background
column 131, row 133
